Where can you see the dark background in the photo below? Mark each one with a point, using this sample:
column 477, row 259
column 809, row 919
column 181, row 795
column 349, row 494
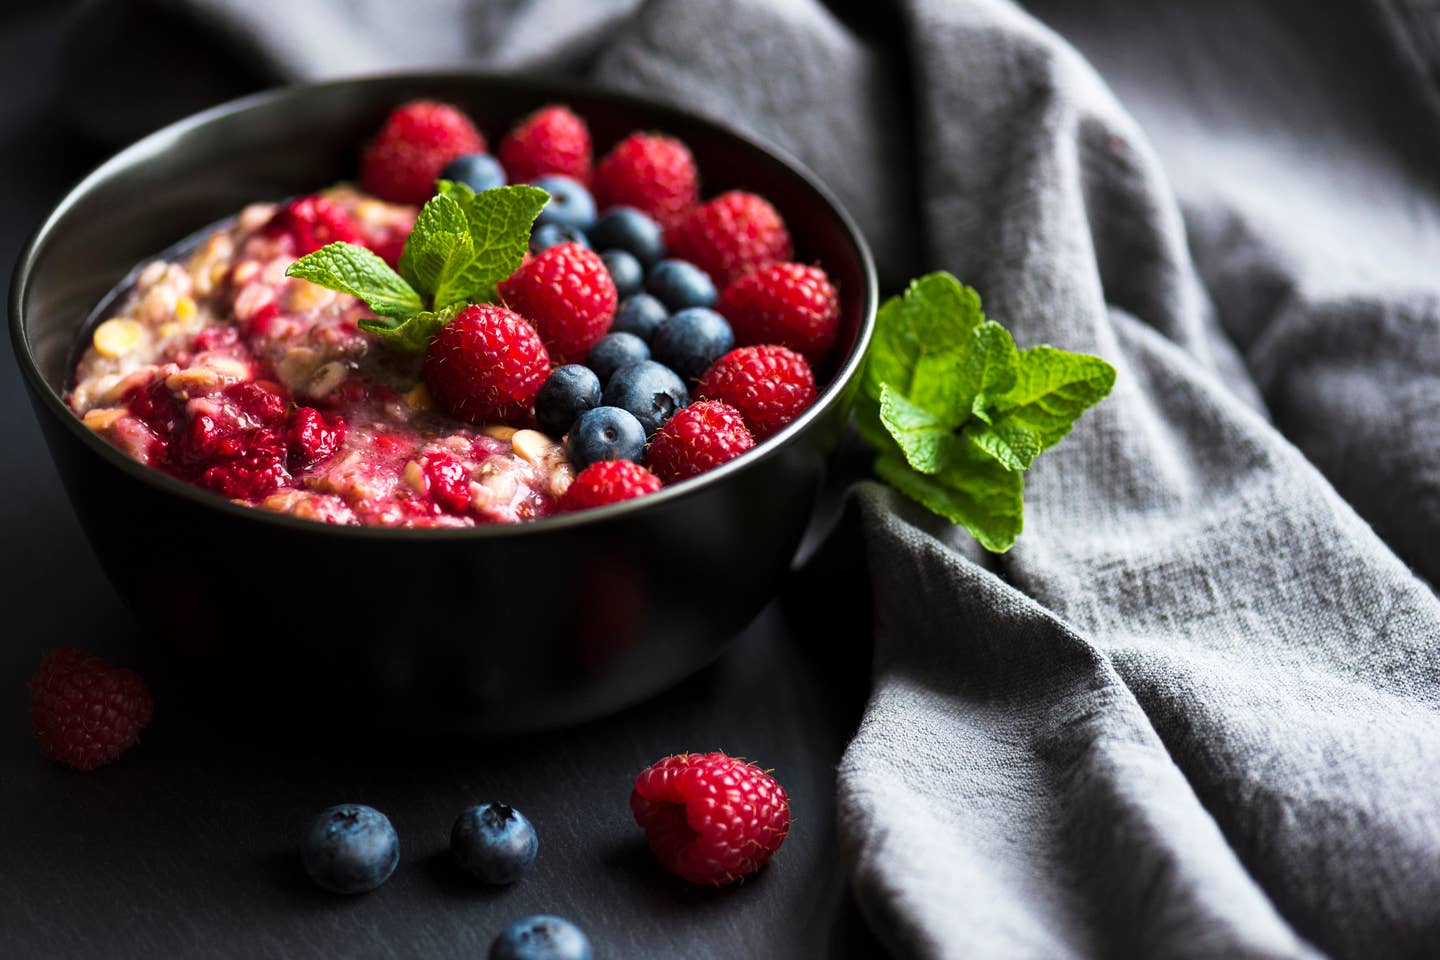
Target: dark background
column 187, row 844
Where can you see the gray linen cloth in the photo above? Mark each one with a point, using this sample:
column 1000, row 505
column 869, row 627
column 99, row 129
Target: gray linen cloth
column 1196, row 711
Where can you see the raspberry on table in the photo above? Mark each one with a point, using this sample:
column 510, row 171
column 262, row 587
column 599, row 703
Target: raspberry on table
column 419, row 138
column 85, row 711
column 312, row 222
column 710, row 818
column 608, row 481
column 567, row 293
column 769, row 384
column 651, row 172
column 731, row 235
column 699, row 438
column 486, row 365
column 550, row 140
column 792, row 304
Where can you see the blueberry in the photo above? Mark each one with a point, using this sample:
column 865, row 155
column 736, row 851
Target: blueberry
column 541, row 937
column 494, row 842
column 478, row 171
column 616, row 350
column 625, row 228
column 568, row 392
column 547, row 235
column 569, row 204
column 605, row 433
column 691, row 340
column 650, row 391
column 350, row 848
column 625, row 270
column 679, row 284
column 641, row 315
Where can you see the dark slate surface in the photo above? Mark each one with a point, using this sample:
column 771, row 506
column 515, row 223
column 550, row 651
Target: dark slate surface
column 186, row 846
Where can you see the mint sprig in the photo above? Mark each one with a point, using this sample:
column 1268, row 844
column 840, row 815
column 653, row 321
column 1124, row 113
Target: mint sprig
column 958, row 413
column 463, row 244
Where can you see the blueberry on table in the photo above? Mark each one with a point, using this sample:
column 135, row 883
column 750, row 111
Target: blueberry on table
column 650, row 391
column 350, row 848
column 641, row 315
column 605, row 433
column 691, row 340
column 628, row 229
column 679, row 284
column 547, row 235
column 616, row 350
column 570, row 203
column 568, row 392
column 541, row 937
column 493, row 842
column 625, row 270
column 478, row 171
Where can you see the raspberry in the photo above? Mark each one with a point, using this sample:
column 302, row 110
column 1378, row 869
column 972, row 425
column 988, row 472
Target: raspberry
column 403, row 161
column 256, row 472
column 486, row 365
column 552, row 140
column 311, row 439
column 261, row 400
column 568, row 295
column 608, row 481
column 449, row 482
column 770, row 386
column 312, row 222
column 730, row 236
column 710, row 818
column 699, row 438
column 85, row 711
column 652, row 172
column 791, row 304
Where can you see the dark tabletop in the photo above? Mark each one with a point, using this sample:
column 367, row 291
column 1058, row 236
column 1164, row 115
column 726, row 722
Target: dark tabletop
column 186, row 846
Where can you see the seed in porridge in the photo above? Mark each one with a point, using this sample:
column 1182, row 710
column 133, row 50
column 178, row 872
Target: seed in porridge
column 118, row 336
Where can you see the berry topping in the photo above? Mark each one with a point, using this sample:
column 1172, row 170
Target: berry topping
column 616, row 350
column 550, row 140
column 312, row 222
column 791, row 304
column 486, row 365
column 650, row 391
column 478, row 171
column 641, row 315
column 570, row 204
column 312, row 439
column 731, row 235
column 626, row 271
column 628, row 229
column 608, row 481
column 548, row 235
column 691, row 340
column 770, row 386
column 493, row 842
column 710, row 818
column 86, row 712
column 604, row 433
column 350, row 848
column 568, row 295
column 653, row 173
column 569, row 391
column 257, row 471
column 541, row 937
column 419, row 138
column 699, row 438
column 679, row 284
column 448, row 482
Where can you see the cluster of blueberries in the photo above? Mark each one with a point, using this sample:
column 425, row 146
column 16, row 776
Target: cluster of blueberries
column 664, row 334
column 353, row 848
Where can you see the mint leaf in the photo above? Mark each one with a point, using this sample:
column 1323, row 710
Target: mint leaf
column 919, row 339
column 973, row 491
column 355, row 270
column 1051, row 389
column 924, row 438
column 414, row 333
column 499, row 223
column 439, row 241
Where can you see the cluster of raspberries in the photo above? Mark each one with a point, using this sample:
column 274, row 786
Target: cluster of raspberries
column 627, row 267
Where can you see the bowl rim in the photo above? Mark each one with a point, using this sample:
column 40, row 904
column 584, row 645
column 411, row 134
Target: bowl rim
column 163, row 139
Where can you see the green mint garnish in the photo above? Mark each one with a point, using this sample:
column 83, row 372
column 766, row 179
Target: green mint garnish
column 464, row 243
column 958, row 414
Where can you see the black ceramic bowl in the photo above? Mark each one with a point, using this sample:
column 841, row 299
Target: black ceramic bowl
column 498, row 627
